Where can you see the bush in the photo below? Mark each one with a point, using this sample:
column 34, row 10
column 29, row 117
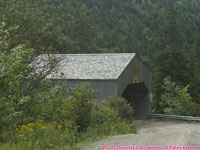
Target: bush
column 52, row 106
column 103, row 117
column 40, row 135
column 120, row 105
column 177, row 101
column 76, row 108
column 107, row 118
column 67, row 122
column 26, row 96
column 82, row 98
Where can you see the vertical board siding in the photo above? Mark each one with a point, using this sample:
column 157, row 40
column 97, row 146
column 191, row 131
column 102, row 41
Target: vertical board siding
column 105, row 88
column 144, row 75
column 138, row 69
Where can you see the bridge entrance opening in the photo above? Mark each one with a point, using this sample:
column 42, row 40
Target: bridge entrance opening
column 138, row 96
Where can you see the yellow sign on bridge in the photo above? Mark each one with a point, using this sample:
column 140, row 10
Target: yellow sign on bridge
column 136, row 79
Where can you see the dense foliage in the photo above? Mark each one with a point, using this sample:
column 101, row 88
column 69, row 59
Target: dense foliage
column 35, row 112
column 165, row 33
column 177, row 100
column 98, row 26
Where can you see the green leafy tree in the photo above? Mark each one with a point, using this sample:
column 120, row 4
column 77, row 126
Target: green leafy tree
column 14, row 68
column 177, row 100
column 20, row 82
column 38, row 25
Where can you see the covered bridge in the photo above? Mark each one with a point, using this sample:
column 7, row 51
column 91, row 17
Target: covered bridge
column 120, row 74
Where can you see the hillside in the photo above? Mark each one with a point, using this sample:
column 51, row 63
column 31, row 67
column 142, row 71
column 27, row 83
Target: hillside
column 133, row 25
column 164, row 33
column 86, row 26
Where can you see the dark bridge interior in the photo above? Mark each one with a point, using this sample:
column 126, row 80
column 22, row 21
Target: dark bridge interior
column 137, row 95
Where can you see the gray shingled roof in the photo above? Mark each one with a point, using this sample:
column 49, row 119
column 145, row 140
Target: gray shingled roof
column 91, row 66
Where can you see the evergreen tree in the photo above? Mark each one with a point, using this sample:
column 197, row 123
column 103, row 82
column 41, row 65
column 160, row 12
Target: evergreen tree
column 170, row 61
column 195, row 70
column 171, row 34
column 85, row 37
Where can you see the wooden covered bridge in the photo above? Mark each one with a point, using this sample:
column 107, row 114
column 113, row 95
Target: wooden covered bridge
column 120, row 74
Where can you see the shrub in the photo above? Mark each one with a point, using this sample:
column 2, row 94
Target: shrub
column 82, row 98
column 26, row 96
column 52, row 106
column 121, row 106
column 176, row 100
column 76, row 108
column 40, row 135
column 106, row 120
column 102, row 117
column 68, row 121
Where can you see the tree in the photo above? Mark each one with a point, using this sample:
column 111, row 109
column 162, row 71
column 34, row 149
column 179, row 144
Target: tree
column 171, row 60
column 20, row 83
column 178, row 100
column 37, row 23
column 195, row 70
column 13, row 68
column 171, row 34
column 85, row 37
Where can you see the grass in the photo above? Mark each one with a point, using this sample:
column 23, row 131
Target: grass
column 78, row 146
column 82, row 140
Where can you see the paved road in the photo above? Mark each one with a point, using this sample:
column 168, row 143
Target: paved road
column 156, row 133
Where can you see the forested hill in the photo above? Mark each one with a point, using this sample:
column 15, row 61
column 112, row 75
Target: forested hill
column 133, row 25
column 33, row 113
column 165, row 33
column 88, row 26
